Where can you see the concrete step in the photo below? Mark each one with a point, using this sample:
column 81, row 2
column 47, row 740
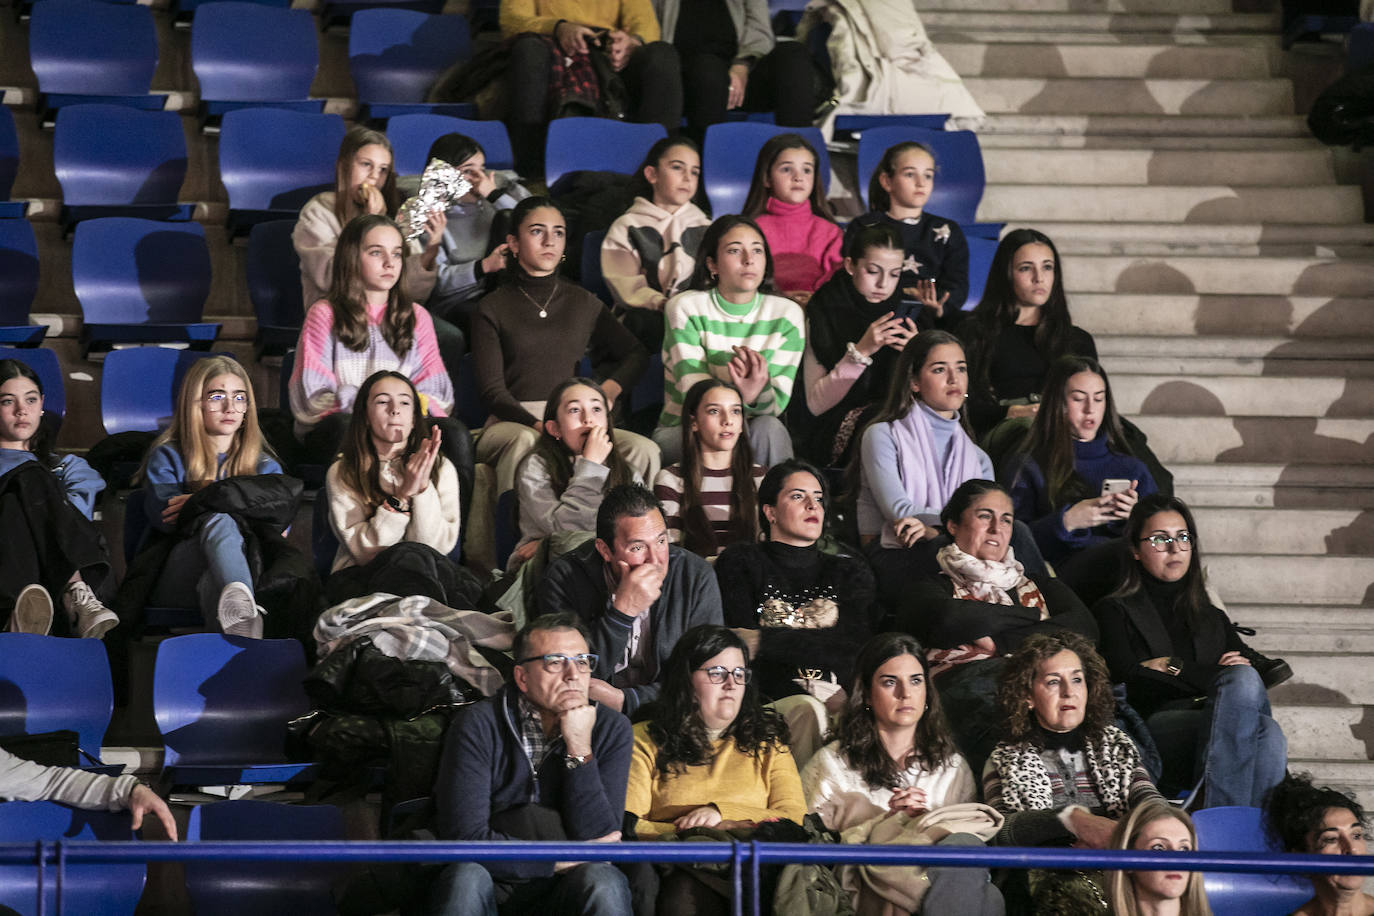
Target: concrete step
column 1149, row 127
column 1327, row 678
column 1326, row 731
column 1283, row 168
column 1081, row 95
column 1310, row 581
column 1249, row 440
column 1247, row 275
column 1075, row 135
column 1303, row 532
column 1237, row 315
column 1317, row 486
column 1219, row 355
column 1284, row 628
column 1355, row 776
column 1212, row 7
column 1158, row 61
column 1245, row 397
column 1044, row 35
column 1163, row 23
column 1322, row 203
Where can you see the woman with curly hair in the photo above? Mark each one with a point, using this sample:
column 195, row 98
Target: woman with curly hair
column 1156, row 826
column 1322, row 820
column 711, row 755
column 1064, row 774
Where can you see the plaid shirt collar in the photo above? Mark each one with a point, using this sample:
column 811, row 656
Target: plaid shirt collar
column 532, row 737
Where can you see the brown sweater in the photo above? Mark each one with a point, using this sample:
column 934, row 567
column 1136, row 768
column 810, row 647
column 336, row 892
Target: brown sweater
column 518, row 356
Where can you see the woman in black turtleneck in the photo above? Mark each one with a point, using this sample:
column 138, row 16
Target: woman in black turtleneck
column 1185, row 668
column 804, row 613
column 528, row 336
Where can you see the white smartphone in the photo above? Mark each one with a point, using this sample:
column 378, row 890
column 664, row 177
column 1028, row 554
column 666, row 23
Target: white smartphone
column 1115, row 485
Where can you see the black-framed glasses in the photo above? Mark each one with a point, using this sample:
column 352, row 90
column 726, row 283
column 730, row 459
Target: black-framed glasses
column 1160, row 542
column 554, row 661
column 716, row 674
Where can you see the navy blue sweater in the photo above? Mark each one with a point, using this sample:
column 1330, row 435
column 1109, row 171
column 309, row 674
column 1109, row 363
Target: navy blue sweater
column 484, row 771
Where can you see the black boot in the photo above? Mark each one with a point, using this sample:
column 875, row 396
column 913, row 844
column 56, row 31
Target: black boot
column 1273, row 671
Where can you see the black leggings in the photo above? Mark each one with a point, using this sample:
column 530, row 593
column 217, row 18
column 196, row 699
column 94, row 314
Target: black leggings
column 783, row 82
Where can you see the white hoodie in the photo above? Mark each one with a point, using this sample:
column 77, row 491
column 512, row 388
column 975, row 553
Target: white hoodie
column 649, row 253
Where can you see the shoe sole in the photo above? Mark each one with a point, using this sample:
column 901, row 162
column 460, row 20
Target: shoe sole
column 99, row 626
column 32, row 612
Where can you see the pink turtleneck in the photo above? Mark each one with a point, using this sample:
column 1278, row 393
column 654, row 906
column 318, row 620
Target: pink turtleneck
column 805, row 247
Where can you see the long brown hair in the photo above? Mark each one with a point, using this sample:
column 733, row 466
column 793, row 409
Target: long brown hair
column 1018, row 678
column 556, row 456
column 1192, row 599
column 757, row 199
column 698, row 535
column 357, row 137
column 346, row 292
column 359, row 469
column 1120, row 885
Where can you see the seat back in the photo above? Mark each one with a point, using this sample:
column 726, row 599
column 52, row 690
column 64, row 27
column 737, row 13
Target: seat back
column 89, row 889
column 592, row 279
column 45, row 364
column 1359, row 50
column 274, row 275
column 94, row 48
column 18, row 270
column 9, row 152
column 111, row 154
column 49, row 683
column 980, row 253
column 226, row 699
column 132, row 271
column 138, row 387
column 959, row 175
column 1242, row 829
column 232, row 888
column 395, row 55
column 468, row 405
column 272, row 159
column 598, row 144
column 411, row 136
column 731, row 151
column 251, row 52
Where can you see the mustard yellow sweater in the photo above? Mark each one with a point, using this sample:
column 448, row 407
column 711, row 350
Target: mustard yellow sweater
column 743, row 788
column 540, row 16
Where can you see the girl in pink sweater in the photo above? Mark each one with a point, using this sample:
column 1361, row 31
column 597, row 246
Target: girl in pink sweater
column 789, row 205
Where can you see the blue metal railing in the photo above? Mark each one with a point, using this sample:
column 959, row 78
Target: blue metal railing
column 739, row 855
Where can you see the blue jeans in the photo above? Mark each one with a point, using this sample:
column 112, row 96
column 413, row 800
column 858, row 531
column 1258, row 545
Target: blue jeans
column 199, row 567
column 591, row 889
column 1235, row 744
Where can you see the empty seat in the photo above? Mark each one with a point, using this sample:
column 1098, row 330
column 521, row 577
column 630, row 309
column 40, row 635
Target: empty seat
column 274, row 284
column 89, row 51
column 116, row 161
column 1242, row 829
column 395, row 55
column 598, row 144
column 18, row 283
column 339, row 12
column 959, row 175
column 727, row 162
column 411, row 136
column 186, row 9
column 9, row 165
column 103, row 889
column 1359, row 54
column 50, row 682
column 980, row 252
column 248, row 54
column 49, row 371
column 141, row 281
column 273, row 161
column 222, row 704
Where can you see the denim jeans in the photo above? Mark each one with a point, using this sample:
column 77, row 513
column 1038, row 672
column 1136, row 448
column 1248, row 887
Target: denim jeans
column 590, row 889
column 199, row 567
column 1235, row 745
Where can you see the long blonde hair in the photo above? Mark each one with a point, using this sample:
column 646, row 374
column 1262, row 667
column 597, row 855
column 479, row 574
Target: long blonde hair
column 1120, row 886
column 187, row 430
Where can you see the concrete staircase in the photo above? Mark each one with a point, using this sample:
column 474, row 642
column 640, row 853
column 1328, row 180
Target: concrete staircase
column 1226, row 275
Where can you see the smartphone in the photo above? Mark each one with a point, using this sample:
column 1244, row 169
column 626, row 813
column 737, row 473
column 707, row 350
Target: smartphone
column 1115, row 485
column 910, row 308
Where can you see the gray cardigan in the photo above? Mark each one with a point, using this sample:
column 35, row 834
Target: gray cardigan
column 753, row 26
column 24, row 780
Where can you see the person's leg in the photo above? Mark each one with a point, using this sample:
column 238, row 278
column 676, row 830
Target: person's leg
column 669, row 442
column 226, row 588
column 1230, row 745
column 680, row 894
column 784, row 82
column 807, row 722
column 1271, row 760
column 961, row 890
column 527, row 82
column 770, row 439
column 462, row 889
column 653, row 78
column 1176, row 733
column 705, row 91
column 502, row 445
column 590, row 889
column 641, row 453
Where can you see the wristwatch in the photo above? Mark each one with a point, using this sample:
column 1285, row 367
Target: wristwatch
column 573, row 761
column 397, row 504
column 1174, row 665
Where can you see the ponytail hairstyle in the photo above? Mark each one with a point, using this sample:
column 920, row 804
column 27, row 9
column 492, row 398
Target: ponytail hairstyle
column 697, row 534
column 346, row 298
column 187, row 429
column 455, row 149
column 40, row 443
column 519, row 215
column 759, row 193
column 656, row 154
column 556, row 456
column 357, row 137
column 359, row 467
column 1050, row 439
column 866, row 238
column 879, row 200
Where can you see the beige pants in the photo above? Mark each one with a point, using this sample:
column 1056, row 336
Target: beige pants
column 504, row 443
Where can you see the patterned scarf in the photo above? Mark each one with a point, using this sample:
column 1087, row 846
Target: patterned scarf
column 1112, row 759
column 982, row 580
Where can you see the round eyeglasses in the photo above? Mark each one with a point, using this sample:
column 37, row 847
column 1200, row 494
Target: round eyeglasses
column 1160, row 542
column 716, row 674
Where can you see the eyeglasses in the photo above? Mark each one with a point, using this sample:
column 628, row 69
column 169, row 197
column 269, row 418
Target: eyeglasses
column 554, row 661
column 717, row 674
column 224, row 401
column 1160, row 542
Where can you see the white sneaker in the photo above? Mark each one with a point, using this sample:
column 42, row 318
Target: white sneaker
column 89, row 618
column 238, row 614
column 32, row 611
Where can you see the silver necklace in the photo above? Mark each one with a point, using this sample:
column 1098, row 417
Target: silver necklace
column 543, row 309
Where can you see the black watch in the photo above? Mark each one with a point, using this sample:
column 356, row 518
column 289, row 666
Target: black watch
column 396, row 504
column 1174, row 665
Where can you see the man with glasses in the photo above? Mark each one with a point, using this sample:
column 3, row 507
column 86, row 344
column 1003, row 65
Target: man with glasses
column 537, row 761
column 636, row 594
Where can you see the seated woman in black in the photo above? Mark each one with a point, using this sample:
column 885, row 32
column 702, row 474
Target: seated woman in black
column 803, row 613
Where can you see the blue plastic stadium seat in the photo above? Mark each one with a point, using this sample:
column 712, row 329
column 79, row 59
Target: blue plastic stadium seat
column 980, row 252
column 9, row 165
column 117, row 161
column 395, row 55
column 598, row 144
column 862, row 122
column 139, row 385
column 263, row 888
column 592, row 280
column 1241, row 894
column 1314, row 26
column 468, row 404
column 248, row 54
column 274, row 285
column 89, row 51
column 339, row 12
column 273, row 161
column 141, row 281
column 49, row 371
column 88, row 889
column 18, row 283
column 222, row 704
column 727, row 162
column 411, row 136
column 1359, row 54
column 49, row 683
column 959, row 175
column 186, row 9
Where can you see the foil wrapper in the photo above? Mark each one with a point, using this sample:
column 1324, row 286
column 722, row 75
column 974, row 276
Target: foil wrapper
column 440, row 185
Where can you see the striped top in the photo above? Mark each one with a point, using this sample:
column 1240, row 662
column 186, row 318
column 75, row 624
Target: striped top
column 701, row 328
column 715, row 500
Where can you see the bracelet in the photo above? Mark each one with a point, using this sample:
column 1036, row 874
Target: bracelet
column 495, row 194
column 852, row 352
